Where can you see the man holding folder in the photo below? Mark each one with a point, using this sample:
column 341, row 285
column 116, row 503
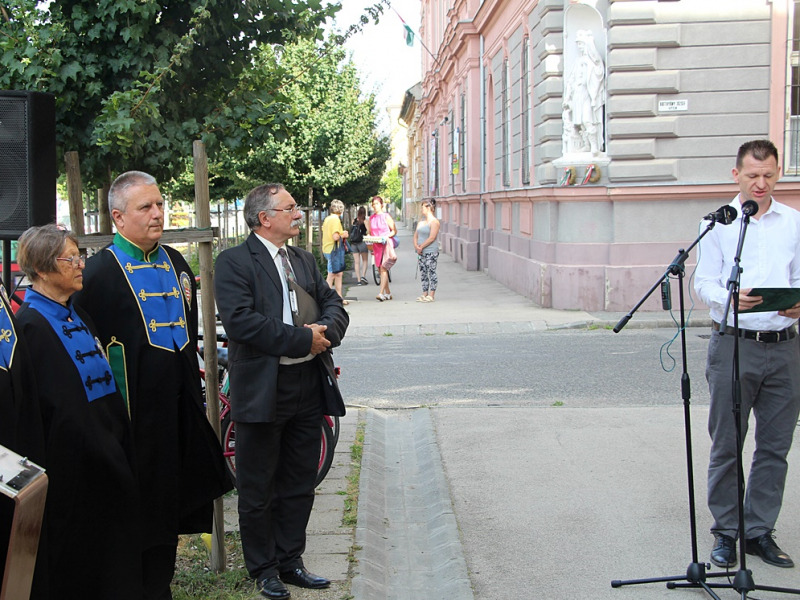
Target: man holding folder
column 282, row 319
column 769, row 357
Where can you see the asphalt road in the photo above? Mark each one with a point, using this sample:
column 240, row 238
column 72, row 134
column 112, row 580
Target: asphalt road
column 571, row 368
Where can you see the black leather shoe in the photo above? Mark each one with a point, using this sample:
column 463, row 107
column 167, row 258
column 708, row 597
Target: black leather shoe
column 723, row 554
column 765, row 547
column 273, row 588
column 302, row 578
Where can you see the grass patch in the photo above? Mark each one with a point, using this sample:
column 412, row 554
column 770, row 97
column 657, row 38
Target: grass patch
column 194, row 579
column 451, row 333
column 388, row 334
column 557, row 403
column 350, row 516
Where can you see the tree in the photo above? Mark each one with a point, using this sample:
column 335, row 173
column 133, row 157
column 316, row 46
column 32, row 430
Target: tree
column 391, row 187
column 137, row 80
column 327, row 140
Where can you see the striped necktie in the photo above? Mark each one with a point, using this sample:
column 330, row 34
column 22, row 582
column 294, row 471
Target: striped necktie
column 287, row 268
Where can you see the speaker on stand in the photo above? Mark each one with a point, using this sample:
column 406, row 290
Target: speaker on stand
column 27, row 166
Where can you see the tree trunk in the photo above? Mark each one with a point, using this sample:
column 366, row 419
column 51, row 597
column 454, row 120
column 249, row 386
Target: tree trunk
column 74, row 192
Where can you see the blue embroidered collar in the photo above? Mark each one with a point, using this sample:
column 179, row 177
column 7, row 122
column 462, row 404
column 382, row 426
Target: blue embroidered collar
column 82, row 347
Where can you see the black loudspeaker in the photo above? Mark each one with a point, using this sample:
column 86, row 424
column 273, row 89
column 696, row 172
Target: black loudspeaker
column 27, row 161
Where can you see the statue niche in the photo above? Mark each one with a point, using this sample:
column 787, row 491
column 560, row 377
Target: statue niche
column 584, row 99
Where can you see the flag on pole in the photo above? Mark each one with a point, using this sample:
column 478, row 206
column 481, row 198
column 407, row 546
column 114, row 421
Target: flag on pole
column 409, row 35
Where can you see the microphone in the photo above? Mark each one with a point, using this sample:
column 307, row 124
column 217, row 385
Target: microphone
column 749, row 208
column 724, row 214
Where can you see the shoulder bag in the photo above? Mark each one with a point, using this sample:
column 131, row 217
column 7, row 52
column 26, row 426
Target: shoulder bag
column 337, row 257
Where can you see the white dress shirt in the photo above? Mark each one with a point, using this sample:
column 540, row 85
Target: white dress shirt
column 770, row 258
column 287, row 308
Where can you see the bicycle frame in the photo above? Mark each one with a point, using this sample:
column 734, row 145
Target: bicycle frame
column 329, row 426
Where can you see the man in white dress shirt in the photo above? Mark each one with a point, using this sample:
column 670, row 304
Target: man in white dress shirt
column 769, row 358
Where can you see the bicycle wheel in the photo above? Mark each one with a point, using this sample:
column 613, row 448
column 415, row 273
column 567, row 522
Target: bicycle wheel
column 228, row 432
column 325, row 452
column 376, row 275
column 333, row 422
column 327, row 446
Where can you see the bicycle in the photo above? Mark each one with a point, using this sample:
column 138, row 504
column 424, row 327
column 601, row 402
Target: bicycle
column 329, row 426
column 376, row 273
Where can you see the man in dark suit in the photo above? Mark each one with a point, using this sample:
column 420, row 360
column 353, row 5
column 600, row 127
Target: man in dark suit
column 282, row 382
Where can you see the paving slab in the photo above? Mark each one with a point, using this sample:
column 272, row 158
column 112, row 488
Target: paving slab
column 557, row 502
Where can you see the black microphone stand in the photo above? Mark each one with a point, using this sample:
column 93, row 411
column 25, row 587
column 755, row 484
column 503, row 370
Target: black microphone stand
column 696, row 571
column 743, row 581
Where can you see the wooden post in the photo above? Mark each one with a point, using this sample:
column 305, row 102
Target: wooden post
column 203, row 212
column 102, row 210
column 309, row 220
column 74, row 192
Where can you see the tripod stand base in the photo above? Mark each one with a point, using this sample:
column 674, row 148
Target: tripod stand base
column 695, row 578
column 742, row 583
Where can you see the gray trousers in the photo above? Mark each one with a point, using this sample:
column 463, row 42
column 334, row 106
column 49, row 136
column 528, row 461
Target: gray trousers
column 770, row 384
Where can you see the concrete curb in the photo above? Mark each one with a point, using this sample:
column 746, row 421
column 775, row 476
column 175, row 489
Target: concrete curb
column 407, row 536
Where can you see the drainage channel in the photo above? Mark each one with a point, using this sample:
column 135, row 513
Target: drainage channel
column 407, row 536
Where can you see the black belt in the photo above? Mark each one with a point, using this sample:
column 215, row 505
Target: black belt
column 767, row 337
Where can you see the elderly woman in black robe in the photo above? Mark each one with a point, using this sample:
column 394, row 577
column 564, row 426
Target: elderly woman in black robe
column 92, row 511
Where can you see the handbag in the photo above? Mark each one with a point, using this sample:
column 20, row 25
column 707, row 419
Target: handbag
column 389, row 257
column 337, row 257
column 395, row 242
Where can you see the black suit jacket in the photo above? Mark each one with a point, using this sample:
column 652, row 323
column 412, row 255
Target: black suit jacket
column 250, row 303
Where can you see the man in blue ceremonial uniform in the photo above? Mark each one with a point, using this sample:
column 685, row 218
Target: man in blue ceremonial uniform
column 142, row 297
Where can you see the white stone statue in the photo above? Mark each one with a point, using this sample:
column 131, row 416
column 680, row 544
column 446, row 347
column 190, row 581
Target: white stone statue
column 584, row 98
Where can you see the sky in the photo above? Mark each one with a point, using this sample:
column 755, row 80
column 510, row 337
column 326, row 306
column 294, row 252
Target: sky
column 386, row 64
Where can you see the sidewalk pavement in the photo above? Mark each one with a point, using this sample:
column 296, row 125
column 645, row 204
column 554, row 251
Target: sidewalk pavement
column 466, row 302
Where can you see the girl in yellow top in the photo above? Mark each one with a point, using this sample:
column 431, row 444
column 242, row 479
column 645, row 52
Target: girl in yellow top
column 332, row 232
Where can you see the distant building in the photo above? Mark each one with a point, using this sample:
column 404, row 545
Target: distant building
column 413, row 169
column 573, row 145
column 397, row 137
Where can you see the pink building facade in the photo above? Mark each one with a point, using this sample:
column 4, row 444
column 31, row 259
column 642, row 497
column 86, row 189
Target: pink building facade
column 573, row 146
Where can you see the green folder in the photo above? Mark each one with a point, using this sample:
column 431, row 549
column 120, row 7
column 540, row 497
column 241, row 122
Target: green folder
column 774, row 299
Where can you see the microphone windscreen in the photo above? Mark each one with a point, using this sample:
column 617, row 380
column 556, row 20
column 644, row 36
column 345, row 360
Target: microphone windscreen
column 750, row 208
column 727, row 214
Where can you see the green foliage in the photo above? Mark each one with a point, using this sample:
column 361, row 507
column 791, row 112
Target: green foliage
column 136, row 80
column 325, row 138
column 392, row 187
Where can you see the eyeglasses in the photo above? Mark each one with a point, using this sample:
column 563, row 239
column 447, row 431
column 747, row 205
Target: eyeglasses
column 289, row 210
column 75, row 261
